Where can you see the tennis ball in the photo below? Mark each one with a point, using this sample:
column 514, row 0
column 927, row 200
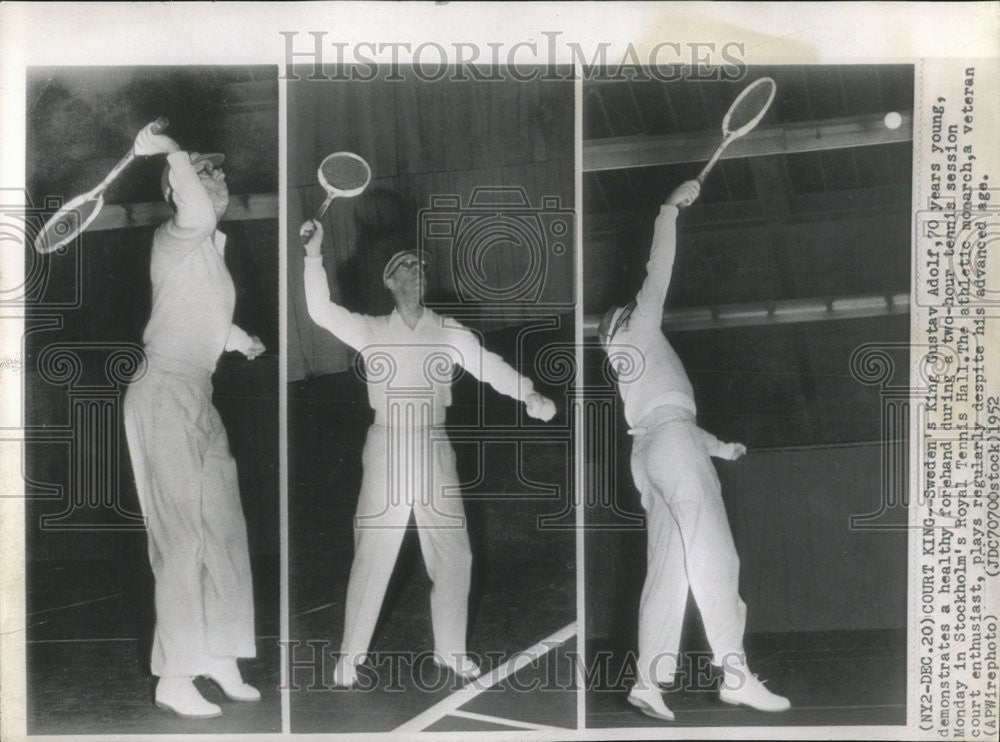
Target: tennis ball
column 893, row 120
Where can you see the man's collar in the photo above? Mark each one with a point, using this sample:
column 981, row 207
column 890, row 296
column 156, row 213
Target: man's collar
column 397, row 318
column 219, row 239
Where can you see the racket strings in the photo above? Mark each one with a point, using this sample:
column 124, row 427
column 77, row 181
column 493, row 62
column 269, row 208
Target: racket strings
column 344, row 173
column 749, row 108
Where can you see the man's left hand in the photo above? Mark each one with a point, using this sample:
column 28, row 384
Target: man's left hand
column 732, row 451
column 255, row 349
column 539, row 407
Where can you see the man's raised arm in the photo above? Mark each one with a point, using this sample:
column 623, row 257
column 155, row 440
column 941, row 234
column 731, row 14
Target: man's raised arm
column 649, row 301
column 348, row 327
column 194, row 217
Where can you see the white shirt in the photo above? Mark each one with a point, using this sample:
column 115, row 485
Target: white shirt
column 193, row 293
column 404, row 365
column 650, row 373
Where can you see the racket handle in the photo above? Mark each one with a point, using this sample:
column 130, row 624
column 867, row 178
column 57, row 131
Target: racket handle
column 321, row 211
column 701, row 178
column 726, row 141
column 306, row 233
column 157, row 127
column 711, row 163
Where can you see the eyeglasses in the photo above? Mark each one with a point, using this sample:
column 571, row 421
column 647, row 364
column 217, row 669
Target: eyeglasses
column 208, row 168
column 412, row 263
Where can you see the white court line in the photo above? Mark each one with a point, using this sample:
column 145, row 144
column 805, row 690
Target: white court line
column 504, row 722
column 735, row 709
column 73, row 605
column 313, row 610
column 461, row 697
column 804, row 708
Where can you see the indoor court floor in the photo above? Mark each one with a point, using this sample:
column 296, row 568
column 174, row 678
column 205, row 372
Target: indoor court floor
column 831, row 678
column 89, row 634
column 522, row 607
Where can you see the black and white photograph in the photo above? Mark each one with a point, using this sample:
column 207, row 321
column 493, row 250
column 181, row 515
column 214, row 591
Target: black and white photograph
column 431, row 341
column 537, row 371
column 746, row 250
column 151, row 387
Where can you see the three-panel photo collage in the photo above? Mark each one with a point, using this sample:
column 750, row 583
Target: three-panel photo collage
column 362, row 400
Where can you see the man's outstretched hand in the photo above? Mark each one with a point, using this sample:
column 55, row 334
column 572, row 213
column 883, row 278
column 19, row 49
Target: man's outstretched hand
column 732, row 451
column 314, row 244
column 539, row 407
column 148, row 143
column 255, row 349
column 685, row 194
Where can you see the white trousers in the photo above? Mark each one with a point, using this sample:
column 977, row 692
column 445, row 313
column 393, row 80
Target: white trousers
column 689, row 545
column 409, row 470
column 186, row 480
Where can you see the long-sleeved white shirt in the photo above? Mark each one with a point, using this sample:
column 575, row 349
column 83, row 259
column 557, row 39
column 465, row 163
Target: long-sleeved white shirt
column 408, row 366
column 650, row 373
column 193, row 293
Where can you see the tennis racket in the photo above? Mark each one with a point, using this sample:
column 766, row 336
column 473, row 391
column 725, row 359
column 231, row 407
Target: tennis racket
column 743, row 115
column 342, row 175
column 76, row 215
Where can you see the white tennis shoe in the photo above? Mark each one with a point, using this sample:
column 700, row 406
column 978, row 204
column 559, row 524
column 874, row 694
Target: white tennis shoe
column 740, row 686
column 649, row 700
column 226, row 674
column 345, row 674
column 462, row 665
column 179, row 695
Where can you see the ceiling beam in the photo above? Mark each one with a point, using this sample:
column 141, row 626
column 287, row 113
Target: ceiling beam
column 702, row 217
column 242, row 207
column 618, row 153
column 697, row 217
column 782, row 312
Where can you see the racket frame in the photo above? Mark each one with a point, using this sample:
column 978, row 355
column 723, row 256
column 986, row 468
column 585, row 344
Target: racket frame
column 307, row 231
column 95, row 194
column 729, row 136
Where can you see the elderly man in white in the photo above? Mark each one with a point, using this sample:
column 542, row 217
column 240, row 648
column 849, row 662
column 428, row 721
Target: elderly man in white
column 409, row 464
column 184, row 473
column 689, row 542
